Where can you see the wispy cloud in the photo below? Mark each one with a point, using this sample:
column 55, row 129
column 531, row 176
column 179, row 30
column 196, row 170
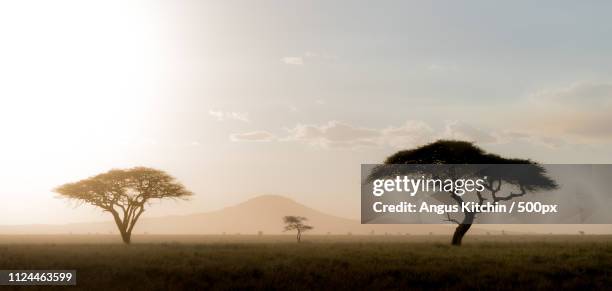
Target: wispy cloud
column 293, row 61
column 333, row 134
column 411, row 133
column 342, row 135
column 309, row 56
column 336, row 134
column 229, row 115
column 253, row 136
column 463, row 131
column 576, row 114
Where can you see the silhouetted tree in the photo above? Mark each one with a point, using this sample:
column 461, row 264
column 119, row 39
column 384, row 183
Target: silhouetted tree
column 296, row 223
column 531, row 177
column 124, row 193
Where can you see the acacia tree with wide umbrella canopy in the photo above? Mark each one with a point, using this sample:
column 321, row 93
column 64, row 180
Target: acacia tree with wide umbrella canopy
column 125, row 193
column 531, row 178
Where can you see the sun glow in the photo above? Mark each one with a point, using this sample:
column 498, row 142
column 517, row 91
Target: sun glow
column 77, row 80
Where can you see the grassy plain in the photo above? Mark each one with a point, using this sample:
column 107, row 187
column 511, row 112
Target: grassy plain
column 320, row 262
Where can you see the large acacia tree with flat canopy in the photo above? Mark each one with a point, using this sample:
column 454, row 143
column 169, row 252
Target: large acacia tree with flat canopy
column 124, row 193
column 531, row 177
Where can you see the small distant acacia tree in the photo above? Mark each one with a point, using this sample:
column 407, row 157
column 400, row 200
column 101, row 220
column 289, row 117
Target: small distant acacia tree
column 124, row 193
column 296, row 223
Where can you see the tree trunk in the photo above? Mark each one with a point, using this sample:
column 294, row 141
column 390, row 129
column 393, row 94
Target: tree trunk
column 299, row 236
column 463, row 228
column 125, row 233
column 126, row 237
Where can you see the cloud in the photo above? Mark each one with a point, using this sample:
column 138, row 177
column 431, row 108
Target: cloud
column 293, row 61
column 229, row 115
column 576, row 114
column 311, row 57
column 253, row 136
column 333, row 134
column 411, row 133
column 341, row 135
column 581, row 111
column 336, row 134
column 582, row 94
column 514, row 136
column 463, row 131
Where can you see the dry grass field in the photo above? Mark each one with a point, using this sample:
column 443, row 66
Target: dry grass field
column 320, row 262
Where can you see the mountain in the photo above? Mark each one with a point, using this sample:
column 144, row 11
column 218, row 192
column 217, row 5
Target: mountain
column 263, row 213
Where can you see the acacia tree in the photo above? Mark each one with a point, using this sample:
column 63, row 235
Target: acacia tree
column 124, row 193
column 297, row 223
column 459, row 155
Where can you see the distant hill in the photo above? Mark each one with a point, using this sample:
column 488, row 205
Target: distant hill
column 264, row 213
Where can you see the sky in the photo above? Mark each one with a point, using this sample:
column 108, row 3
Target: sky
column 243, row 98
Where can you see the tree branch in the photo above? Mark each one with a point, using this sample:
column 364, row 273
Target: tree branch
column 481, row 199
column 512, row 195
column 117, row 220
column 135, row 218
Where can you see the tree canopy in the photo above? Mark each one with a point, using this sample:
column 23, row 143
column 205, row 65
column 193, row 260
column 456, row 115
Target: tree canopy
column 462, row 155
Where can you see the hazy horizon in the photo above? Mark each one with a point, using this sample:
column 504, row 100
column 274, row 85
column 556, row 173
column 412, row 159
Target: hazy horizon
column 262, row 215
column 287, row 98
